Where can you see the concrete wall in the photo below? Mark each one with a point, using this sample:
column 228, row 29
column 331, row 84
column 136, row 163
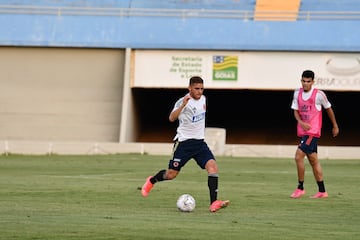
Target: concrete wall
column 61, row 94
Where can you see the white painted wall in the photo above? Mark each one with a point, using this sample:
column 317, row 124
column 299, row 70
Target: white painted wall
column 60, row 94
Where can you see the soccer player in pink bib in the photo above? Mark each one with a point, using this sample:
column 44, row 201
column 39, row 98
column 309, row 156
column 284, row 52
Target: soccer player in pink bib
column 307, row 105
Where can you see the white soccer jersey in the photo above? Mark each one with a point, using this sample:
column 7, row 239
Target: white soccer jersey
column 320, row 99
column 191, row 119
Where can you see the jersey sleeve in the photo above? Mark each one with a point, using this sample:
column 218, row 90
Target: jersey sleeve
column 294, row 104
column 322, row 99
column 177, row 104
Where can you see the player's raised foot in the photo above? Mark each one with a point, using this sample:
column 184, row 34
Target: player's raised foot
column 146, row 188
column 297, row 193
column 218, row 204
column 320, row 195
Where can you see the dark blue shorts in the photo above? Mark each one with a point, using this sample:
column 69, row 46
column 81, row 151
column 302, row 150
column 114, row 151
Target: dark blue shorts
column 186, row 150
column 308, row 144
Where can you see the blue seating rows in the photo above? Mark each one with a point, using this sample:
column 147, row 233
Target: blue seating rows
column 178, row 32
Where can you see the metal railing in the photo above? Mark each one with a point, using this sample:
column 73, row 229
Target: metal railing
column 178, row 13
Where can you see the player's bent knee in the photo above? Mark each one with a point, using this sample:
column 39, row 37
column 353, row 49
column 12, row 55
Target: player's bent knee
column 171, row 174
column 211, row 167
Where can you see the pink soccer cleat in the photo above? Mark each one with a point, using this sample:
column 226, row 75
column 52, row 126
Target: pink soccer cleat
column 297, row 193
column 320, row 195
column 218, row 204
column 146, row 188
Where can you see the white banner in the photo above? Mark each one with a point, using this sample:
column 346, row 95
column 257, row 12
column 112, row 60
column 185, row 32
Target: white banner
column 245, row 70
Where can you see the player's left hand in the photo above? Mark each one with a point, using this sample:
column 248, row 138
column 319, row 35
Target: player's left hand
column 335, row 131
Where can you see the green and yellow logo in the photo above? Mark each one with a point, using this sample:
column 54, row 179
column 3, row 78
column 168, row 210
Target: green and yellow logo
column 225, row 68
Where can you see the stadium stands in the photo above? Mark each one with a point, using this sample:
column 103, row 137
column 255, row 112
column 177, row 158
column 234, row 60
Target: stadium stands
column 249, row 5
column 221, row 24
column 330, row 5
column 169, row 4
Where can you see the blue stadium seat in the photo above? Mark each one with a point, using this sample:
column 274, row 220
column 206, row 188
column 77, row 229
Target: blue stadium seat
column 330, row 5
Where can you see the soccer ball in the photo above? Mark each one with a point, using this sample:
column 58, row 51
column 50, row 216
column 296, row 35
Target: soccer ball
column 186, row 203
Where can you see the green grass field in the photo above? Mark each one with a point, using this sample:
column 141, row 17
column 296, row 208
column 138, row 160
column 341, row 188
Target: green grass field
column 97, row 197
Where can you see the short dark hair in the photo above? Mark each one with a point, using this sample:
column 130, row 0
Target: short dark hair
column 195, row 79
column 308, row 74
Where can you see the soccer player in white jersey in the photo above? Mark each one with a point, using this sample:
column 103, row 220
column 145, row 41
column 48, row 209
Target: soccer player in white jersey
column 307, row 105
column 189, row 143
